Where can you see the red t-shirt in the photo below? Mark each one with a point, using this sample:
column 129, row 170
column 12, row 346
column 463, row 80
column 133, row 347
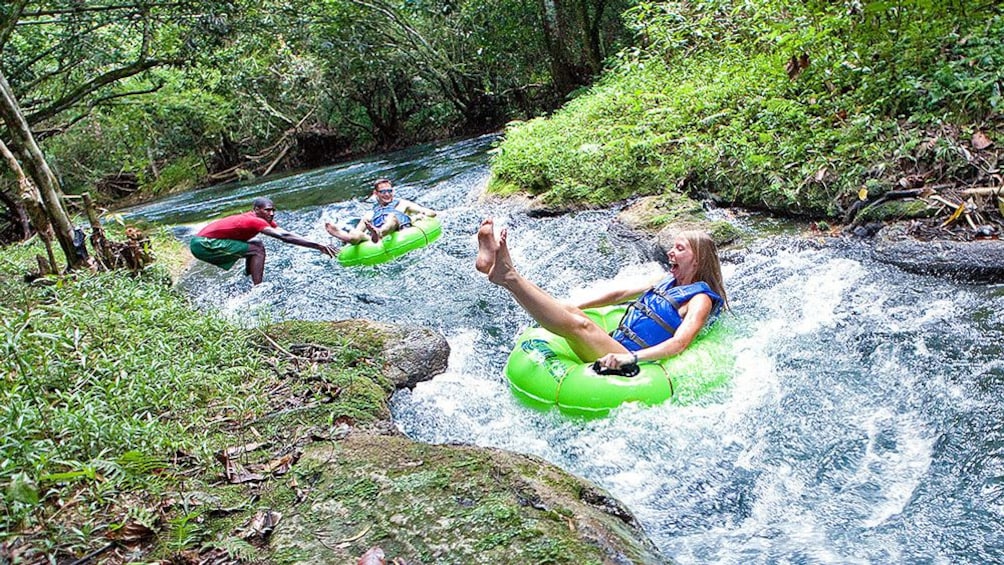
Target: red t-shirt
column 241, row 227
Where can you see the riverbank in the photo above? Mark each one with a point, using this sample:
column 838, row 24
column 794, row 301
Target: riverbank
column 142, row 429
column 782, row 113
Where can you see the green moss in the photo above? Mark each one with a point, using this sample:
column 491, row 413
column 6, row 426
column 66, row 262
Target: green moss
column 436, row 504
column 356, row 340
column 724, row 233
column 895, row 210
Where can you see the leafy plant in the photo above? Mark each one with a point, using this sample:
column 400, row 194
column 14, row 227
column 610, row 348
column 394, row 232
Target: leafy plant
column 772, row 104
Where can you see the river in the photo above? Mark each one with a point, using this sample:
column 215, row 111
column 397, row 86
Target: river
column 863, row 423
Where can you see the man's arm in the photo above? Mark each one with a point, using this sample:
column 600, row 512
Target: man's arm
column 290, row 237
column 411, row 208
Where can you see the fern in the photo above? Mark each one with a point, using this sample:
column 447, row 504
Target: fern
column 237, row 549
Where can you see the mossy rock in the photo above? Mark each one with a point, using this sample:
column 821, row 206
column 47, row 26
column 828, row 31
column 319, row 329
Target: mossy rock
column 894, row 210
column 722, row 233
column 345, row 371
column 652, row 213
column 449, row 504
column 406, row 355
column 354, row 482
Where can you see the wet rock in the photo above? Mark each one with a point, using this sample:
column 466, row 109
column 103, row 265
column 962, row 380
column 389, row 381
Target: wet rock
column 980, row 261
column 647, row 245
column 723, row 233
column 654, row 213
column 413, row 354
column 867, row 230
column 537, row 208
column 666, row 217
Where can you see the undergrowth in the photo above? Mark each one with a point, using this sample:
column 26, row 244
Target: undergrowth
column 773, row 104
column 116, row 397
column 104, row 380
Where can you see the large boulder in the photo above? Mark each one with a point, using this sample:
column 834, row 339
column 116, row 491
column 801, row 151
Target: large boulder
column 423, row 503
column 411, row 354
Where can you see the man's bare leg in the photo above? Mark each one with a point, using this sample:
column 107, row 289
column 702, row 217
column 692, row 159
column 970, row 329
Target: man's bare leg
column 390, row 225
column 355, row 236
column 254, row 262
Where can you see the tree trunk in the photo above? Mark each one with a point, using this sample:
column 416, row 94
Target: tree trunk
column 23, row 144
column 591, row 32
column 30, row 203
column 562, row 73
column 17, row 213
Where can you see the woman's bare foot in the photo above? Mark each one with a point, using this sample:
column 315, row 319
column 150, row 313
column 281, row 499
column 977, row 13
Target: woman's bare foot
column 502, row 268
column 487, row 246
column 374, row 232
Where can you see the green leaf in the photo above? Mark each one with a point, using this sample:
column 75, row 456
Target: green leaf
column 22, row 489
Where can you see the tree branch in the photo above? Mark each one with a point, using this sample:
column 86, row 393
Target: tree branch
column 47, row 52
column 8, row 25
column 109, row 8
column 90, row 86
column 43, row 134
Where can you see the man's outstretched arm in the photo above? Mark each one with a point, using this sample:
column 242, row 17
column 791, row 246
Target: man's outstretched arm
column 290, row 237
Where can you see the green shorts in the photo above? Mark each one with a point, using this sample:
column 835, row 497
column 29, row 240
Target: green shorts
column 220, row 252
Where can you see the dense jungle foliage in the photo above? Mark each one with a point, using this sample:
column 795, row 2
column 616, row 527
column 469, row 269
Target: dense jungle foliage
column 780, row 104
column 156, row 95
column 800, row 107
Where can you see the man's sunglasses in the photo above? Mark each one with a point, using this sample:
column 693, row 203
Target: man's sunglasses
column 386, row 190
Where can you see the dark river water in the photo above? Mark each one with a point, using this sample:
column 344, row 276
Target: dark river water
column 864, row 421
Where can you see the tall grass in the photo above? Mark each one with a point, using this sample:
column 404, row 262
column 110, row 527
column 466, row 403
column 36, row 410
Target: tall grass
column 104, row 379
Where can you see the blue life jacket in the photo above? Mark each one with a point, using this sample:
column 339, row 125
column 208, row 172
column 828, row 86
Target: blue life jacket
column 380, row 214
column 654, row 317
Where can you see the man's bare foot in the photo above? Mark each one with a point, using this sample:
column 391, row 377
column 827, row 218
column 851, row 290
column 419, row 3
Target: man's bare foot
column 335, row 232
column 487, row 246
column 502, row 268
column 374, row 232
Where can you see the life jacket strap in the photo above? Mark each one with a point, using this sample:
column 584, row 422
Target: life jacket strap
column 652, row 315
column 628, row 333
column 665, row 296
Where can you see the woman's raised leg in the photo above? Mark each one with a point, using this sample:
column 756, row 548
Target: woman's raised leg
column 586, row 338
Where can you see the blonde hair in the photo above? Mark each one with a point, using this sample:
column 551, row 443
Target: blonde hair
column 709, row 267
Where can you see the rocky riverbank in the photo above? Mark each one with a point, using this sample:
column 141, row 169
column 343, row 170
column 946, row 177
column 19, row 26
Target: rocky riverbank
column 355, row 483
column 912, row 244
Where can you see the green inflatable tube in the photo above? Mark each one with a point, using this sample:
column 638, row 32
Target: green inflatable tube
column 422, row 232
column 543, row 372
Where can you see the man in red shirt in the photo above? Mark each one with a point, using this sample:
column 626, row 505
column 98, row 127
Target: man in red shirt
column 223, row 242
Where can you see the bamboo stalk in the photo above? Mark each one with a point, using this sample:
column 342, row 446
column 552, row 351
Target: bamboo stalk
column 984, row 191
column 945, row 201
